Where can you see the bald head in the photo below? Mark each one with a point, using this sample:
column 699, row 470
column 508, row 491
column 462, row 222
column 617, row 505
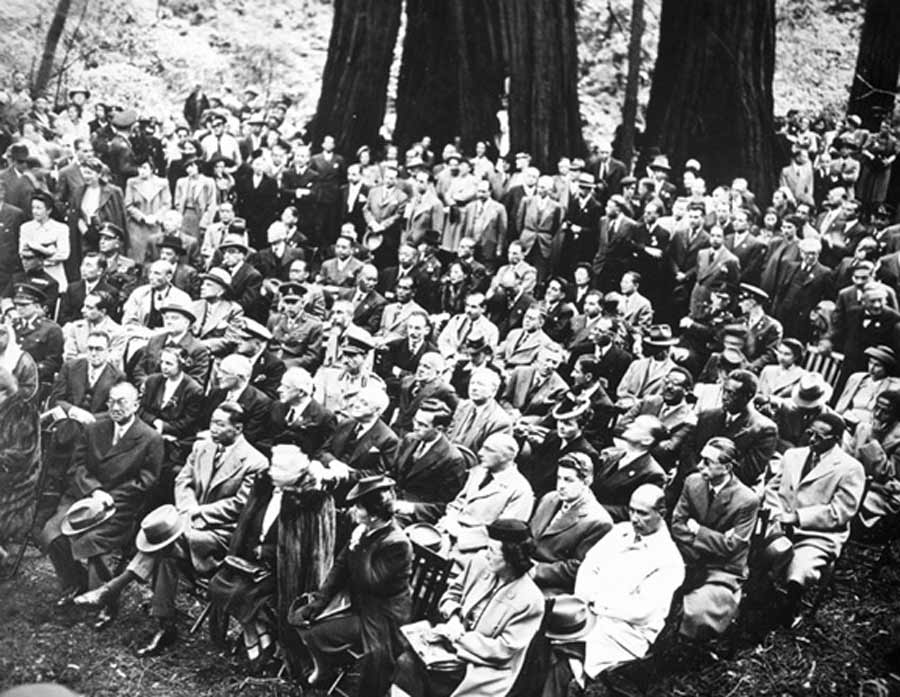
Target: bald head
column 498, row 452
column 646, row 509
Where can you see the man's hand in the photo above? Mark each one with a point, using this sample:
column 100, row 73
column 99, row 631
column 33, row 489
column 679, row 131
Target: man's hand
column 339, row 469
column 788, row 518
column 404, row 507
column 680, row 276
column 693, row 526
column 654, row 252
column 452, row 629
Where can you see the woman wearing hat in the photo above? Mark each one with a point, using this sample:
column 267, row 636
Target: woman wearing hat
column 195, row 198
column 373, row 571
column 93, row 204
column 857, row 401
column 147, row 197
column 492, row 611
column 778, row 380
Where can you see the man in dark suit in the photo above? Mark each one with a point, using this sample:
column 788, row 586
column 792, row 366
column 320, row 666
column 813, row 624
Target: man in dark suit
column 567, row 522
column 297, row 189
column 507, row 306
column 81, row 388
column 712, row 526
column 298, row 418
column 116, row 465
column 177, row 321
column 429, row 469
column 755, row 435
column 682, row 257
column 368, row 303
column 803, row 286
column 887, row 270
column 871, row 324
column 746, row 246
column 716, row 268
column 233, row 378
column 615, row 245
column 608, row 171
column 485, row 221
column 513, row 198
column 622, row 469
column 353, row 197
column 246, row 281
column 20, row 192
column 257, row 199
column 426, row 384
column 578, row 241
column 11, row 219
column 612, row 359
column 538, row 220
column 851, row 297
column 275, row 260
column 330, row 171
column 362, row 445
column 651, row 247
column 93, row 268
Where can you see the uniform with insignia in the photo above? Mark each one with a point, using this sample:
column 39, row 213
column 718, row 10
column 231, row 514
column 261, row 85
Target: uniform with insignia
column 38, row 336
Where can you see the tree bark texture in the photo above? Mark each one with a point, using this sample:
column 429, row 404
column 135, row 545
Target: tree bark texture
column 451, row 76
column 354, row 82
column 541, row 55
column 54, row 33
column 711, row 96
column 874, row 85
column 630, row 104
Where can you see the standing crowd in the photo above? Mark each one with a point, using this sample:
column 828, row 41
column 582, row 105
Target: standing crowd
column 599, row 400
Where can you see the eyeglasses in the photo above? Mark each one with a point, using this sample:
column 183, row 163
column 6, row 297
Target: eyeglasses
column 118, row 402
column 290, row 301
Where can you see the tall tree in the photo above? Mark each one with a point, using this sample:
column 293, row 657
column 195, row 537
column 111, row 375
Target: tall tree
column 354, row 82
column 711, row 96
column 451, row 76
column 630, row 103
column 45, row 68
column 874, row 85
column 541, row 55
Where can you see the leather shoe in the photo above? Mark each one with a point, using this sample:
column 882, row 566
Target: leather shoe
column 105, row 618
column 95, row 598
column 67, row 596
column 162, row 640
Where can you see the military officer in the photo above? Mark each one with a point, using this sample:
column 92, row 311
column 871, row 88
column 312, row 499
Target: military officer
column 299, row 333
column 42, row 338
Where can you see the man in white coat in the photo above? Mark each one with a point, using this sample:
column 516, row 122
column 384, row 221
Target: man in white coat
column 812, row 500
column 628, row 579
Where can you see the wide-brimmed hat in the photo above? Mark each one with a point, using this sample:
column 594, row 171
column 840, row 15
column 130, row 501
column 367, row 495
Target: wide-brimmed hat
column 160, row 528
column 80, row 89
column 216, row 159
column 425, row 535
column 367, row 485
column 86, row 514
column 569, row 619
column 18, row 152
column 882, row 354
column 173, row 242
column 811, row 391
column 125, row 118
column 181, row 308
column 477, row 342
column 218, row 275
column 257, row 118
column 660, row 335
column 570, row 407
column 231, row 241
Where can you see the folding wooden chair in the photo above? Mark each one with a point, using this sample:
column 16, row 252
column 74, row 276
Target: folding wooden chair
column 828, row 365
column 428, row 581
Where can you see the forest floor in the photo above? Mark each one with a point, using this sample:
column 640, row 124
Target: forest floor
column 833, row 655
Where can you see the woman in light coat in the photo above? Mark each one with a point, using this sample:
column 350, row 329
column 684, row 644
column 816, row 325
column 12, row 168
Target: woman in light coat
column 147, row 197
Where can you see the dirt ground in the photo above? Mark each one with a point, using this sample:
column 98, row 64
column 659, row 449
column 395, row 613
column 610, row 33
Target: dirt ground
column 846, row 645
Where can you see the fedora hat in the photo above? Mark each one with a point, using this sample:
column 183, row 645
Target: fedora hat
column 431, row 237
column 172, row 242
column 661, row 162
column 86, row 514
column 570, row 618
column 586, row 179
column 811, row 391
column 367, row 485
column 180, row 308
column 425, row 535
column 373, row 239
column 883, row 354
column 80, row 89
column 660, row 335
column 160, row 528
column 218, row 275
column 18, row 152
column 232, row 241
column 477, row 342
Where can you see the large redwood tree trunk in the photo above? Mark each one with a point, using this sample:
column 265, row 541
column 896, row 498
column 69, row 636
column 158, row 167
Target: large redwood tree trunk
column 874, row 85
column 354, row 82
column 54, row 33
column 451, row 77
column 541, row 53
column 711, row 96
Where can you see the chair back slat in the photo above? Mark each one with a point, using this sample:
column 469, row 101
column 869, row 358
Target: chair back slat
column 429, row 581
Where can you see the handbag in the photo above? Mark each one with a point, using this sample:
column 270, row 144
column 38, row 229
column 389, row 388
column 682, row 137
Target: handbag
column 254, row 572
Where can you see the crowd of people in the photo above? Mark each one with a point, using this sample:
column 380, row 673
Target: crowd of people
column 604, row 399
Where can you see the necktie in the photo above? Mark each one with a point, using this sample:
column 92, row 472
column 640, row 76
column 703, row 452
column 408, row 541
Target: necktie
column 291, row 416
column 219, row 146
column 464, row 328
column 117, row 435
column 217, row 458
column 710, row 497
column 811, row 461
column 488, row 478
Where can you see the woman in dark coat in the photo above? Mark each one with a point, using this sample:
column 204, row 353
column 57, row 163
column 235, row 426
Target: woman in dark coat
column 20, row 458
column 373, row 570
column 92, row 204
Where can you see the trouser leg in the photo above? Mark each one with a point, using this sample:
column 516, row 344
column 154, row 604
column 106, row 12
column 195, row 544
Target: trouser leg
column 71, row 574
